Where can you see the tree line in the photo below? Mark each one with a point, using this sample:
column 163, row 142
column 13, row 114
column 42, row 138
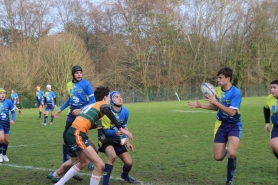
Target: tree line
column 127, row 44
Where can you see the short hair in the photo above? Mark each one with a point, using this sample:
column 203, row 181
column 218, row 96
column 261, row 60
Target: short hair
column 100, row 92
column 274, row 82
column 227, row 72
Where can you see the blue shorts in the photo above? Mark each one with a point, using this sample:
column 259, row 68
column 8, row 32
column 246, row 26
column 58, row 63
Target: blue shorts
column 228, row 129
column 49, row 107
column 274, row 132
column 39, row 103
column 119, row 149
column 5, row 128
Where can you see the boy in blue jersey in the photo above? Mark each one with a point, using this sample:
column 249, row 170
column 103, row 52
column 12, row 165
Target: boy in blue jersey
column 50, row 104
column 111, row 132
column 80, row 93
column 271, row 111
column 5, row 106
column 40, row 100
column 15, row 100
column 227, row 103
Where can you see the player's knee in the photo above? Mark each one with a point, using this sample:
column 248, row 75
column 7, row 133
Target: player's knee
column 128, row 164
column 218, row 158
column 99, row 166
column 112, row 158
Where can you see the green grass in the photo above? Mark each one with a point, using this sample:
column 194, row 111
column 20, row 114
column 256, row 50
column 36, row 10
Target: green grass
column 173, row 146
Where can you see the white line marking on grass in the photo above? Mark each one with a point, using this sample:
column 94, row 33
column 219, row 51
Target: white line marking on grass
column 192, row 111
column 49, row 170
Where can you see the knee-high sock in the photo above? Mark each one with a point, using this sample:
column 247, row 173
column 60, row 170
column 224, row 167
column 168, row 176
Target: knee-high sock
column 1, row 148
column 95, row 180
column 52, row 117
column 231, row 167
column 72, row 171
column 65, row 153
column 125, row 172
column 107, row 172
column 45, row 119
column 5, row 148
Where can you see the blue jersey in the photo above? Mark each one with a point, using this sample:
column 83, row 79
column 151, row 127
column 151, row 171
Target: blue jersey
column 5, row 107
column 39, row 96
column 79, row 94
column 232, row 99
column 109, row 128
column 14, row 97
column 49, row 97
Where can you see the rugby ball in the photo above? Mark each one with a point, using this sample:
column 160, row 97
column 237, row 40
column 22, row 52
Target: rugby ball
column 208, row 89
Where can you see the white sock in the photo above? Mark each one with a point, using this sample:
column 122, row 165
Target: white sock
column 95, row 180
column 72, row 171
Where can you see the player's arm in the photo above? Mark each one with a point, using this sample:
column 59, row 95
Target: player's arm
column 196, row 104
column 54, row 100
column 65, row 105
column 267, row 115
column 107, row 111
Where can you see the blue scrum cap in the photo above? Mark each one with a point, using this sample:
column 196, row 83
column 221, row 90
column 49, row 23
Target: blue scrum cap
column 112, row 94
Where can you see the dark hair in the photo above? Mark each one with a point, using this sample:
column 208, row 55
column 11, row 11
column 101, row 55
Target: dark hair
column 227, row 72
column 100, row 92
column 274, row 82
column 74, row 69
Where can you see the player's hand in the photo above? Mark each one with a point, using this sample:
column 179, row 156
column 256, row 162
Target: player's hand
column 35, row 104
column 11, row 122
column 75, row 112
column 195, row 104
column 57, row 114
column 119, row 133
column 211, row 99
column 267, row 128
column 126, row 132
column 129, row 146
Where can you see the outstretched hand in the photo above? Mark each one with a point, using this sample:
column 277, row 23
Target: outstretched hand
column 195, row 104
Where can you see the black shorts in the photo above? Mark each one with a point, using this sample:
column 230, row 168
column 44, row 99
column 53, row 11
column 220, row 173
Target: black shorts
column 119, row 149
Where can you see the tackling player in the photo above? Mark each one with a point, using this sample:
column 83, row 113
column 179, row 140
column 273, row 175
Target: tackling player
column 78, row 140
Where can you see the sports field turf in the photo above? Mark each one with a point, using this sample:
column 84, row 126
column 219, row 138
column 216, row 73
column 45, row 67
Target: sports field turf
column 173, row 145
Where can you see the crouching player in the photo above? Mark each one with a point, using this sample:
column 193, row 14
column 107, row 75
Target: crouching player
column 78, row 140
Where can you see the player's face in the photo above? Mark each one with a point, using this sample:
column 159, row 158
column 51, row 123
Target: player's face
column 78, row 75
column 222, row 80
column 2, row 95
column 38, row 88
column 49, row 89
column 117, row 98
column 274, row 90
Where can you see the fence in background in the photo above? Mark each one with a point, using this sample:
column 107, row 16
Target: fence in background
column 155, row 95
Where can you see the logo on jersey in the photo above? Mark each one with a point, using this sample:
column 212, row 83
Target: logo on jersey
column 75, row 100
column 3, row 116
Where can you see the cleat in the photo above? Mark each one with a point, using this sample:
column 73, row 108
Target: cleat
column 51, row 177
column 229, row 183
column 1, row 158
column 130, row 180
column 5, row 158
column 90, row 166
column 77, row 177
column 43, row 124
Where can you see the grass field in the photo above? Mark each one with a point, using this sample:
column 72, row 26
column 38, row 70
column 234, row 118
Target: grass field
column 173, row 146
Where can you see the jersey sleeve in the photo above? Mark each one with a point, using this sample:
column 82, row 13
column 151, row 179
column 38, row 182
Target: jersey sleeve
column 236, row 100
